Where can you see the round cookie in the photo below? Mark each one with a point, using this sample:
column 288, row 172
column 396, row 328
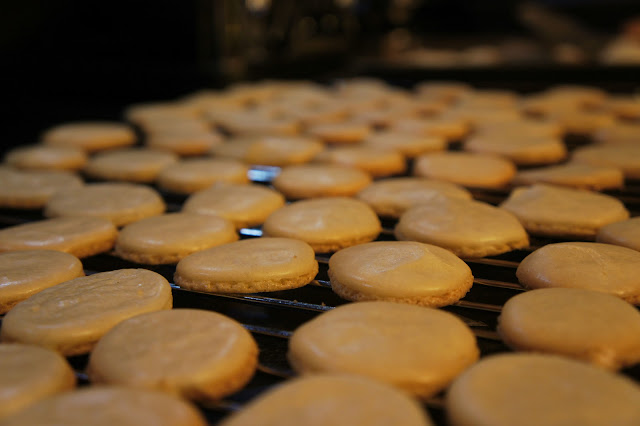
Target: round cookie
column 573, row 175
column 393, row 196
column 620, row 133
column 446, row 90
column 270, row 150
column 168, row 238
column 90, row 136
column 407, row 144
column 249, row 266
column 467, row 169
column 43, row 157
column 244, row 205
column 331, row 400
column 194, row 354
column 521, row 150
column 583, row 122
column 413, row 345
column 189, row 176
column 563, row 212
column 591, row 266
column 121, row 203
column 247, row 123
column 129, row 165
column 30, row 189
column 29, row 374
column 339, row 133
column 376, row 162
column 624, row 156
column 108, row 406
column 326, row 224
column 320, row 180
column 450, row 128
column 26, row 272
column 581, row 324
column 624, row 233
column 468, row 228
column 72, row 316
column 399, row 271
column 193, row 142
column 532, row 390
column 176, row 126
column 77, row 235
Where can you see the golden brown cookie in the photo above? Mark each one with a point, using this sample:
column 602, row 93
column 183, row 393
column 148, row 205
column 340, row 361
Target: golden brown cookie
column 376, row 162
column 407, row 144
column 573, row 175
column 271, row 150
column 32, row 189
column 191, row 175
column 129, row 165
column 522, row 150
column 320, row 180
column 90, row 136
column 184, row 143
column 623, row 156
column 43, row 157
column 339, row 133
column 624, row 233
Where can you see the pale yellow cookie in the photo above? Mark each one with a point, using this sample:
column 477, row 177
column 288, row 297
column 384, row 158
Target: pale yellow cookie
column 563, row 212
column 191, row 353
column 586, row 325
column 593, row 266
column 32, row 189
column 188, row 176
column 522, row 150
column 534, row 390
column 407, row 144
column 121, row 203
column 337, row 400
column 573, row 175
column 376, row 162
column 326, row 224
column 271, row 150
column 624, row 233
column 77, row 235
column 320, row 180
column 26, row 272
column 184, row 143
column 71, row 317
column 29, row 374
column 413, row 345
column 339, row 133
column 44, row 157
column 90, row 136
column 168, row 238
column 129, row 165
column 623, row 156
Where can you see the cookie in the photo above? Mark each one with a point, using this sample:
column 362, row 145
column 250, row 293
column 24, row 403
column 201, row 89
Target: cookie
column 533, row 389
column 106, row 406
column 573, row 175
column 376, row 162
column 72, row 316
column 429, row 275
column 591, row 266
column 90, row 136
column 176, row 126
column 326, row 224
column 624, row 233
column 191, row 175
column 77, row 235
column 168, row 238
column 623, row 156
column 320, row 180
column 406, row 144
column 583, row 122
column 184, row 143
column 451, row 128
column 523, row 150
column 144, row 113
column 129, row 165
column 339, row 133
column 563, row 212
column 26, row 272
column 121, row 203
column 618, row 134
column 624, row 107
column 586, row 325
column 466, row 169
column 212, row 357
column 449, row 91
column 412, row 345
column 30, row 189
column 244, row 205
column 249, row 266
column 582, row 96
column 43, row 157
column 29, row 374
column 468, row 228
column 353, row 401
column 391, row 197
column 271, row 151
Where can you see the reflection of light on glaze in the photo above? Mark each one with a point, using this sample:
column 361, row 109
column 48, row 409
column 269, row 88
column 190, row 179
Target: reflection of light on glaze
column 392, row 258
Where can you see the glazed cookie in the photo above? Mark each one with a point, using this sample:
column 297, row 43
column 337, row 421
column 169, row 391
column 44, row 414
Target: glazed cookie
column 467, row 169
column 624, row 233
column 466, row 227
column 90, row 136
column 189, row 176
column 532, row 390
column 43, row 157
column 393, row 196
column 26, row 272
column 271, row 151
column 563, row 212
column 77, row 235
column 71, row 317
column 407, row 144
column 244, row 205
column 121, row 203
column 194, row 354
column 343, row 339
column 327, row 224
column 592, row 266
column 171, row 237
column 320, row 180
column 184, row 143
column 573, row 175
column 23, row 189
column 376, row 162
column 581, row 324
column 339, row 133
column 108, row 406
column 249, row 266
column 129, row 165
column 337, row 400
column 624, row 156
column 521, row 150
column 399, row 271
column 29, row 374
